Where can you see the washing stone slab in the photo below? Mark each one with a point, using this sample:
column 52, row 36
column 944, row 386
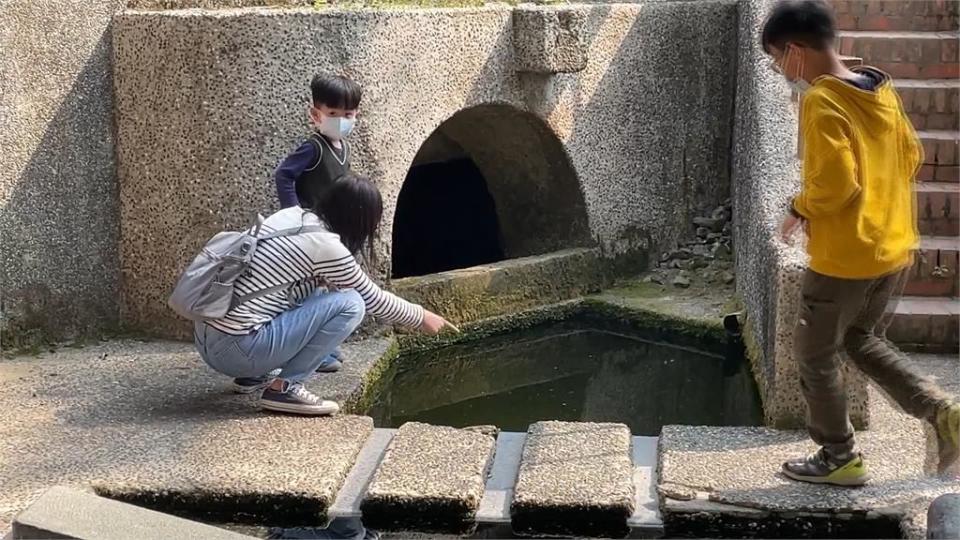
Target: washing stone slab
column 63, row 512
column 725, row 480
column 149, row 422
column 431, row 479
column 575, row 479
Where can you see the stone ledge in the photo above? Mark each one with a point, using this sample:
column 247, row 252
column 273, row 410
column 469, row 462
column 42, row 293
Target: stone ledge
column 500, row 288
column 63, row 512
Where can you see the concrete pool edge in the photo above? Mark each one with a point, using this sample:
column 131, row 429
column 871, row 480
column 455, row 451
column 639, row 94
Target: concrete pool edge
column 621, row 310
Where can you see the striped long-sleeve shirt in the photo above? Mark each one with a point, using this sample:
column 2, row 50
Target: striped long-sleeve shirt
column 305, row 262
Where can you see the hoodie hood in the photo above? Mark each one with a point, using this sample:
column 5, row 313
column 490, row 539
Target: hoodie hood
column 878, row 109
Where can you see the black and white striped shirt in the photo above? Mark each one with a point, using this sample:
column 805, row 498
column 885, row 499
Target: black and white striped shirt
column 305, row 261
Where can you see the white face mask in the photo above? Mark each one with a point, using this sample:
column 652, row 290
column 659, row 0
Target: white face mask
column 335, row 127
column 800, row 85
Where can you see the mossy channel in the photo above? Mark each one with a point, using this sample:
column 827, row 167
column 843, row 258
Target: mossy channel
column 584, row 361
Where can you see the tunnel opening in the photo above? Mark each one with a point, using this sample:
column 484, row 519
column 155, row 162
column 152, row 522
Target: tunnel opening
column 446, row 219
column 490, row 183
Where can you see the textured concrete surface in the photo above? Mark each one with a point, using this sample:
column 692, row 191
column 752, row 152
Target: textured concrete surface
column 59, row 212
column 737, row 471
column 576, row 478
column 765, row 170
column 550, row 39
column 149, row 422
column 431, row 479
column 63, row 512
column 621, row 153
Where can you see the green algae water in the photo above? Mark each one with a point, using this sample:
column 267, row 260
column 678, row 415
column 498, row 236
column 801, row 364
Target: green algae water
column 567, row 371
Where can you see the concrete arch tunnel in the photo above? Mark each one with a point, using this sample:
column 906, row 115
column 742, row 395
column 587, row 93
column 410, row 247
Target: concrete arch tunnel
column 491, row 183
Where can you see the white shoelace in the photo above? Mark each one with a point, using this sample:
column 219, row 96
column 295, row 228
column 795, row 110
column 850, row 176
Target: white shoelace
column 298, row 390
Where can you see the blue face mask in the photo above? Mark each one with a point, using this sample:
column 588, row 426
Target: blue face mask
column 336, row 127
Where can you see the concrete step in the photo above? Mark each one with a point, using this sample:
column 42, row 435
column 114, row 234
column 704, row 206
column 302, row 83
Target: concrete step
column 431, row 480
column 925, row 323
column 934, row 271
column 941, row 150
column 575, row 479
column 905, row 55
column 938, row 208
column 63, row 512
column 918, row 15
column 931, row 103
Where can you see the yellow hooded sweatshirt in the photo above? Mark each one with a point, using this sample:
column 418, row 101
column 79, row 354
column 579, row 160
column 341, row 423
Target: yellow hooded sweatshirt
column 860, row 158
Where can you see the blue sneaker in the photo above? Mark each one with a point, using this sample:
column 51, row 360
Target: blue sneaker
column 331, row 366
column 249, row 385
column 334, row 363
column 296, row 399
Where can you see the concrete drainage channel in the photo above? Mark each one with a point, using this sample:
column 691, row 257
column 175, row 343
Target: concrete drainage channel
column 495, row 505
column 69, row 513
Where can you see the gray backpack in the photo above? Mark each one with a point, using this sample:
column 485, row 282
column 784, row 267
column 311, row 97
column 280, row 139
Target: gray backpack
column 205, row 289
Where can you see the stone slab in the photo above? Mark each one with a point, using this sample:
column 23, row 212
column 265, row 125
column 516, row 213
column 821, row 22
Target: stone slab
column 700, row 464
column 63, row 512
column 430, row 480
column 149, row 422
column 575, row 479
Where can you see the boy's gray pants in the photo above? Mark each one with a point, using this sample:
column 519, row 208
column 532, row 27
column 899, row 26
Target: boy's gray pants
column 844, row 315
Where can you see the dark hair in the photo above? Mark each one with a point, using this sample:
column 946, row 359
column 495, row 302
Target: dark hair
column 352, row 208
column 335, row 91
column 807, row 22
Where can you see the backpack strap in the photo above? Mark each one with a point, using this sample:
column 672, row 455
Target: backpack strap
column 292, row 231
column 237, row 300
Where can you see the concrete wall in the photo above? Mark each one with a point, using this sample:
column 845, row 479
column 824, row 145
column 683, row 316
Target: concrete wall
column 765, row 172
column 640, row 97
column 58, row 187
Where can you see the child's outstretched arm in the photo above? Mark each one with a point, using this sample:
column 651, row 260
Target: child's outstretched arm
column 303, row 158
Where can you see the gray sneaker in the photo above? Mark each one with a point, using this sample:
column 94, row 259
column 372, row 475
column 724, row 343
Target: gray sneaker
column 296, row 399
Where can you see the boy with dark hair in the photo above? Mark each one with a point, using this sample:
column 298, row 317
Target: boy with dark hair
column 325, row 155
column 860, row 156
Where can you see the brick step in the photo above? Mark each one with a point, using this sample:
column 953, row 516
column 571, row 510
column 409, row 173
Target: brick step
column 938, row 206
column 931, row 103
column 906, row 55
column 934, row 271
column 922, row 15
column 941, row 155
column 922, row 323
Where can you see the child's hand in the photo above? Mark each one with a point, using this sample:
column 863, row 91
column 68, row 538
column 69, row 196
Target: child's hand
column 789, row 227
column 432, row 323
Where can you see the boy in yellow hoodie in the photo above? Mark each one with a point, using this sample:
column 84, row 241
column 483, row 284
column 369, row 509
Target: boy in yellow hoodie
column 860, row 156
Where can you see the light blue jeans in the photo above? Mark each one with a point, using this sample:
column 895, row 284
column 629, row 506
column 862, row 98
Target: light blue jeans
column 297, row 341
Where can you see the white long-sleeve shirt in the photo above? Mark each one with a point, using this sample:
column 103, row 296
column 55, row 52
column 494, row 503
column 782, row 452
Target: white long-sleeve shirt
column 305, row 261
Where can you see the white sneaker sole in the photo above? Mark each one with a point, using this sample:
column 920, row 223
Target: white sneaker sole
column 326, row 408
